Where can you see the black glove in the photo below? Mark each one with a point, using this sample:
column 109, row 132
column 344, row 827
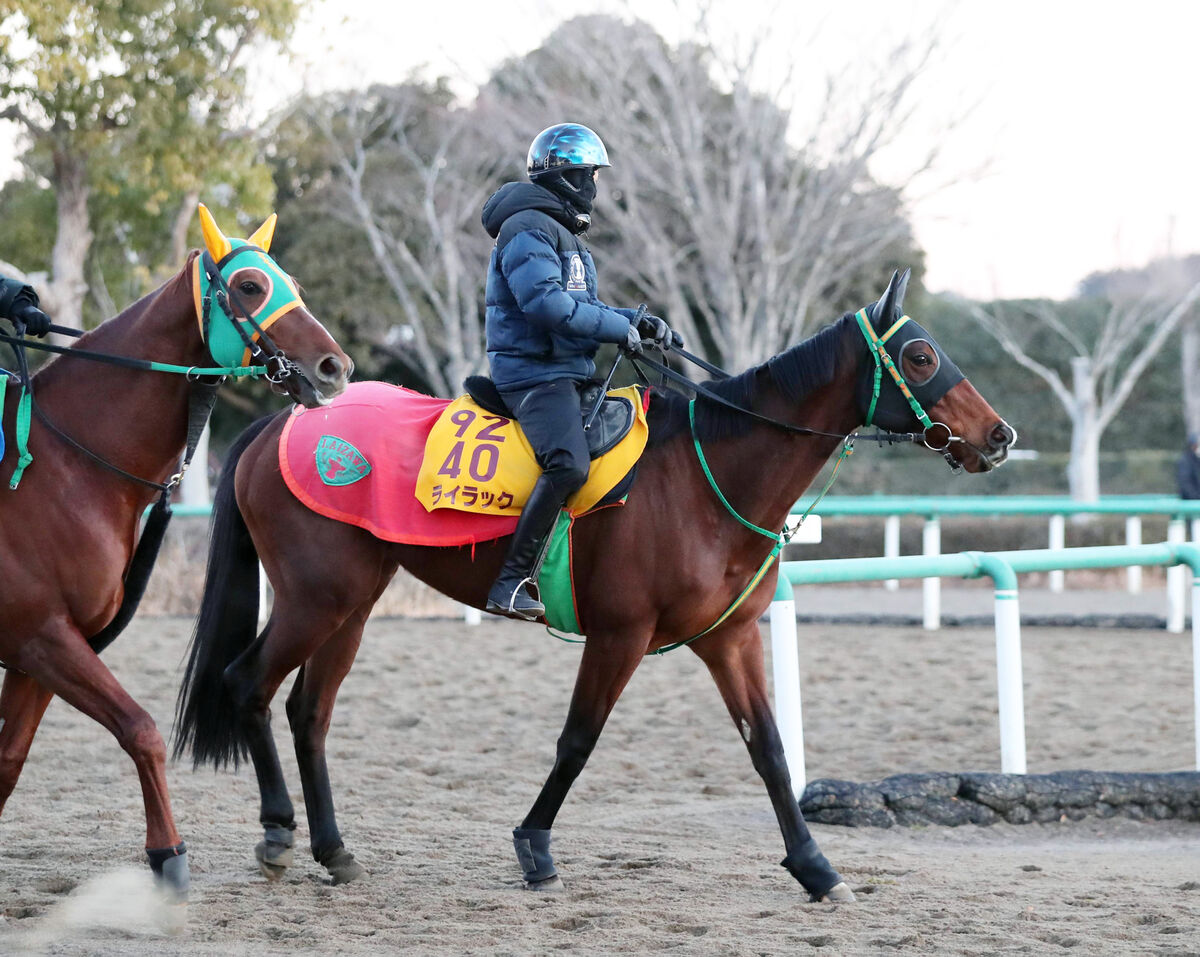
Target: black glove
column 656, row 329
column 633, row 340
column 36, row 322
column 19, row 303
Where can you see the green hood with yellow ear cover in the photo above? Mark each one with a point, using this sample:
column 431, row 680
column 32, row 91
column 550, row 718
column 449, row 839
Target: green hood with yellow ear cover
column 225, row 344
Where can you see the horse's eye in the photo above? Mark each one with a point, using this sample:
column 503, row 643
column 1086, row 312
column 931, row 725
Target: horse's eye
column 249, row 288
column 921, row 359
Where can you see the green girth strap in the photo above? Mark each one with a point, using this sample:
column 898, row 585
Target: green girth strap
column 879, row 353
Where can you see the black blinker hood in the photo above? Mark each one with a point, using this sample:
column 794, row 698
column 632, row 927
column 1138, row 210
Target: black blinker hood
column 892, row 409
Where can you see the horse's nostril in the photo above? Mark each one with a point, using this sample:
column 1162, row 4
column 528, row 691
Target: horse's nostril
column 331, row 368
column 1001, row 436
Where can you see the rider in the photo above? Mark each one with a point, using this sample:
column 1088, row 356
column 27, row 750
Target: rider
column 544, row 324
column 19, row 305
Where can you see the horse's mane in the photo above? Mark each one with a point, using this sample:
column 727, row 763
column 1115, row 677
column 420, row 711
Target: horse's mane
column 796, row 372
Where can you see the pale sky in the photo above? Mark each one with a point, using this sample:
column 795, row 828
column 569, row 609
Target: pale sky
column 1079, row 151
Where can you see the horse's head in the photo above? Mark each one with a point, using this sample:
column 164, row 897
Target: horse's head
column 240, row 293
column 913, row 385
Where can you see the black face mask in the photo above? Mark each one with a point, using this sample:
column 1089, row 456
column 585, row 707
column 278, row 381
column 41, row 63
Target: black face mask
column 576, row 187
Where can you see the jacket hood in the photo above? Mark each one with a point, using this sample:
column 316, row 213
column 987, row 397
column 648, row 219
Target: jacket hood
column 512, row 198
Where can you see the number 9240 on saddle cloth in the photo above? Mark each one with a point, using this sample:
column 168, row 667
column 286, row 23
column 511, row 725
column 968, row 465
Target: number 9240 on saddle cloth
column 419, row 470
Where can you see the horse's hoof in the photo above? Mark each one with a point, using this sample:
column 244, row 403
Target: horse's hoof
column 273, row 859
column 551, row 885
column 343, row 868
column 171, row 873
column 172, row 918
column 838, row 894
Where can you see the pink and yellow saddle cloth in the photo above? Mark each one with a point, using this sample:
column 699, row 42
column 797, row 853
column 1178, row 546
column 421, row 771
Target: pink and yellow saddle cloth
column 418, row 470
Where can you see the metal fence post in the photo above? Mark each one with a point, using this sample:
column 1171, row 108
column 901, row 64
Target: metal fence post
column 1058, row 539
column 891, row 546
column 1176, row 579
column 785, row 668
column 1010, row 688
column 1196, row 662
column 931, row 588
column 1133, row 537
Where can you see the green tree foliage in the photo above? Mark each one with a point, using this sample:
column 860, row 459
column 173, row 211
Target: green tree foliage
column 130, row 110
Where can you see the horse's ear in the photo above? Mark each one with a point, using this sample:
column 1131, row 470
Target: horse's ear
column 901, row 289
column 891, row 304
column 261, row 237
column 214, row 239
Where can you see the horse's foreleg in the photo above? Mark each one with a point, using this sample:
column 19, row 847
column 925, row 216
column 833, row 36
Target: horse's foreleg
column 735, row 660
column 61, row 661
column 22, row 703
column 309, row 710
column 604, row 670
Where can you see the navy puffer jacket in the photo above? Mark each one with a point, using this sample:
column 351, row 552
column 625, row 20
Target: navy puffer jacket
column 544, row 320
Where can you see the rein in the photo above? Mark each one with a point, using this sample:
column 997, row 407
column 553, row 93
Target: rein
column 891, row 438
column 877, row 347
column 277, row 369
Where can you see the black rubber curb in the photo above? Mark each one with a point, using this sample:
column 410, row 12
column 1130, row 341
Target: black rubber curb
column 983, row 798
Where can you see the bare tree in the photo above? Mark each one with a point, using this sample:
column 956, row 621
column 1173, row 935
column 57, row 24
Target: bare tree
column 743, row 220
column 1104, row 366
column 412, row 173
column 1189, row 361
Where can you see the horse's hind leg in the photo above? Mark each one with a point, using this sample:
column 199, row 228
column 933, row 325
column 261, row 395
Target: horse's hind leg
column 61, row 661
column 309, row 710
column 734, row 658
column 22, row 703
column 253, row 678
column 604, row 670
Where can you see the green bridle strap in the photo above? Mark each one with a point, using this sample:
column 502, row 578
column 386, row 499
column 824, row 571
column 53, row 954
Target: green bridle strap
column 781, row 538
column 879, row 353
column 238, row 372
column 713, row 482
column 24, row 416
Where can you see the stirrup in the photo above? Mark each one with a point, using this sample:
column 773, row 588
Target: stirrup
column 532, row 612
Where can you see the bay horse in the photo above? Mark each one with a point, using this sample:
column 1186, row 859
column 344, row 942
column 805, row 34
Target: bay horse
column 106, row 440
column 648, row 575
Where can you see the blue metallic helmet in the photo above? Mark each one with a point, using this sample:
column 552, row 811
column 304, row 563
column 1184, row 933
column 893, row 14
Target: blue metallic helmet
column 565, row 146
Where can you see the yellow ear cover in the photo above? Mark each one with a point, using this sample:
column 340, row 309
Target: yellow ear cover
column 261, row 237
column 214, row 239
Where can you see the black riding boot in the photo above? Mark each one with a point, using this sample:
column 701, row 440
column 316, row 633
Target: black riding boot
column 510, row 594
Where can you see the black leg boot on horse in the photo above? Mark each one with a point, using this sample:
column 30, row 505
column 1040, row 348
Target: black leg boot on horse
column 510, row 594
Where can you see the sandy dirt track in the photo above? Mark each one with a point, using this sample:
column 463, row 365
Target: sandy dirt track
column 444, row 733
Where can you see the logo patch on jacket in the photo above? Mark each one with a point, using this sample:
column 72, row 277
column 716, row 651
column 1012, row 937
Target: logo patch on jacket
column 576, row 280
column 339, row 462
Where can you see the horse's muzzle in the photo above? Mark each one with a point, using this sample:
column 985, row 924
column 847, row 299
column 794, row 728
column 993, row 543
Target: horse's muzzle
column 999, row 440
column 318, row 384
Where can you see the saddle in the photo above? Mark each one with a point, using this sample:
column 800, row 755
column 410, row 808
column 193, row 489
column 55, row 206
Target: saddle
column 615, row 419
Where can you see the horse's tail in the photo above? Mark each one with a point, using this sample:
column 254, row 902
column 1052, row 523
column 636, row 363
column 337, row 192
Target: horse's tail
column 205, row 714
